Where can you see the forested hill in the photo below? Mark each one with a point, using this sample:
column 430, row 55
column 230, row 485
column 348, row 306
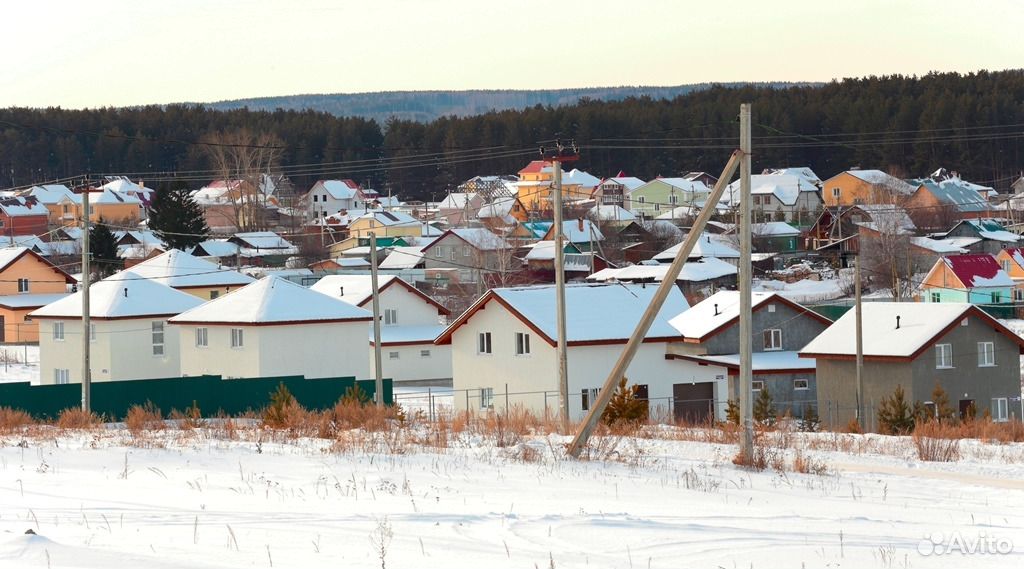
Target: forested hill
column 425, row 106
column 972, row 123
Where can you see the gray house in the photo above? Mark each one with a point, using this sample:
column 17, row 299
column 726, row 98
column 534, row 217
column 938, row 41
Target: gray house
column 917, row 345
column 710, row 331
column 474, row 251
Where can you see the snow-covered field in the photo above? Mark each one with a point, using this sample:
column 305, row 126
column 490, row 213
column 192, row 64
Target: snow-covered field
column 19, row 363
column 95, row 499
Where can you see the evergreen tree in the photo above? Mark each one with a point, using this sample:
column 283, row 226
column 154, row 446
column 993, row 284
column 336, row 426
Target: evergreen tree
column 624, row 406
column 732, row 411
column 764, row 407
column 943, row 412
column 810, row 422
column 103, row 250
column 177, row 219
column 895, row 416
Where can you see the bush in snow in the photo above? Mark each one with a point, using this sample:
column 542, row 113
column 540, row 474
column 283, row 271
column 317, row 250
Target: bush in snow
column 624, row 406
column 895, row 416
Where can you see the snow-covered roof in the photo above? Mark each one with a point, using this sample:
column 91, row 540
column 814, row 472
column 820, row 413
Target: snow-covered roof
column 272, row 300
column 217, row 248
column 629, row 183
column 941, row 246
column 699, row 270
column 339, row 189
column 802, row 172
column 610, row 212
column 109, row 197
column 580, row 231
column 388, row 218
column 480, row 238
column 880, row 178
column 178, row 269
column 262, row 240
column 53, row 193
column 403, row 258
column 920, row 324
column 964, row 199
column 23, row 206
column 459, row 200
column 138, row 250
column 542, row 251
column 708, row 245
column 988, row 229
column 499, row 208
column 581, row 178
column 594, row 312
column 123, row 295
column 976, row 271
column 716, row 311
column 773, row 229
column 30, row 300
column 785, row 188
column 10, row 254
column 353, row 289
column 681, row 184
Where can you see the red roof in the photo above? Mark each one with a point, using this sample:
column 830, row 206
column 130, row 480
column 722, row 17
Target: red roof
column 535, row 167
column 967, row 268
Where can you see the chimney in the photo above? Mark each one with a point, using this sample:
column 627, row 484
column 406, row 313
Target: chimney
column 341, row 291
column 126, row 292
column 716, row 309
column 897, row 322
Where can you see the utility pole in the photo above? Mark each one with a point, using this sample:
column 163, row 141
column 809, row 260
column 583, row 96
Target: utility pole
column 667, row 284
column 860, row 339
column 745, row 284
column 86, row 320
column 562, row 356
column 378, row 373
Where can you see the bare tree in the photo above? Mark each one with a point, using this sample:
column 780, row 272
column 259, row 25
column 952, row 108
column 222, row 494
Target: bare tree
column 886, row 249
column 243, row 158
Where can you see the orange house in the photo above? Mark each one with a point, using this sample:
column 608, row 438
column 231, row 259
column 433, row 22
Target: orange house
column 1012, row 261
column 855, row 187
column 27, row 282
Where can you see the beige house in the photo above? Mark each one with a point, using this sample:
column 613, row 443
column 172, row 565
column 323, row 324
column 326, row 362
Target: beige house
column 274, row 327
column 129, row 335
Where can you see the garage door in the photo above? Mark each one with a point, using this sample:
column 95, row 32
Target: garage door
column 693, row 402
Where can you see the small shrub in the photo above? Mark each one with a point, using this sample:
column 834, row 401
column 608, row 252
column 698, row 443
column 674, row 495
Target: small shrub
column 807, row 465
column 192, row 418
column 935, row 442
column 142, row 418
column 76, row 418
column 624, row 406
column 764, row 408
column 894, row 414
column 854, row 427
column 732, row 411
column 14, row 419
column 943, row 410
column 810, row 422
column 284, row 412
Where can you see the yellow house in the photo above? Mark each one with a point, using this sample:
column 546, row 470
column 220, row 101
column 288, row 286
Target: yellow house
column 193, row 275
column 27, row 282
column 536, row 182
column 855, row 187
column 1012, row 261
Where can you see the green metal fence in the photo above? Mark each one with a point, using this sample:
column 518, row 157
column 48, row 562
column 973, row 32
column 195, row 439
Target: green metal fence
column 211, row 393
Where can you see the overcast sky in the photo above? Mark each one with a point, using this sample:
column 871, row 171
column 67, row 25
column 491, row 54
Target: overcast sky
column 92, row 53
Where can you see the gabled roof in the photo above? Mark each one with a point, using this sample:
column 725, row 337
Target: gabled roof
column 536, row 167
column 785, row 188
column 215, row 248
column 693, row 271
column 974, row 271
column 595, row 313
column 921, row 325
column 403, row 258
column 611, row 212
column 338, row 189
column 545, row 251
column 801, row 172
column 577, row 231
column 121, row 296
column 581, row 178
column 708, row 245
column 880, row 178
column 53, row 193
column 388, row 218
column 722, row 309
column 681, row 184
column 178, row 269
column 273, row 300
column 107, row 196
column 941, row 246
column 477, row 237
column 773, row 229
column 964, row 199
column 265, row 240
column 989, row 229
column 357, row 290
column 11, row 254
column 23, row 207
column 629, row 183
column 1017, row 254
column 459, row 200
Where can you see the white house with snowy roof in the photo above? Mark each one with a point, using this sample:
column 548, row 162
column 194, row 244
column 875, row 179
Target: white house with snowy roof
column 193, row 275
column 129, row 335
column 783, row 197
column 709, row 245
column 327, row 197
column 410, row 322
column 274, row 327
column 505, row 343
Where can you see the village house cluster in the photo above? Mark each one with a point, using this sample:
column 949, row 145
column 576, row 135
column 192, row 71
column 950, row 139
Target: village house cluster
column 282, row 287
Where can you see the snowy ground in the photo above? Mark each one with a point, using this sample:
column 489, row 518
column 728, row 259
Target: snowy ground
column 19, row 363
column 97, row 501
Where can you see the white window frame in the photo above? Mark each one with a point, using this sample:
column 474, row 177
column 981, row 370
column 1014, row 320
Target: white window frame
column 934, row 296
column 202, row 337
column 522, row 346
column 394, row 355
column 1006, row 265
column 465, row 250
column 1000, row 409
column 986, row 354
column 943, row 356
column 483, row 344
column 238, row 338
column 158, row 332
column 769, row 336
column 439, row 252
column 487, row 398
column 756, row 384
column 23, row 286
column 797, row 387
column 836, row 192
column 61, row 376
column 588, row 395
column 424, row 353
column 1018, row 294
column 451, row 253
column 58, row 331
column 390, row 316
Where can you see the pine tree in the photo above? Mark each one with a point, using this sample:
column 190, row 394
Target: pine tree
column 177, row 219
column 624, row 407
column 943, row 412
column 764, row 407
column 732, row 411
column 895, row 416
column 810, row 422
column 103, row 250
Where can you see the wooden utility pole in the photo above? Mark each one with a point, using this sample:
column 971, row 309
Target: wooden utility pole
column 745, row 284
column 86, row 320
column 562, row 357
column 647, row 319
column 378, row 396
column 860, row 338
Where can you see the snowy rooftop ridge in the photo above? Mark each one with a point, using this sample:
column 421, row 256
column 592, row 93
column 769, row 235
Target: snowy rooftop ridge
column 715, row 311
column 124, row 295
column 178, row 269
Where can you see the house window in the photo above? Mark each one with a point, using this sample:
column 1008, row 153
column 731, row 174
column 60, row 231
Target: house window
column 986, row 354
column 589, row 397
column 314, row 198
column 424, row 353
column 997, row 297
column 202, row 337
column 757, row 385
column 483, row 343
column 393, row 355
column 390, row 316
column 1018, row 294
column 1000, row 411
column 771, row 308
column 465, row 250
column 438, row 253
column 934, row 297
column 800, row 384
column 522, row 344
column 673, row 199
column 237, row 338
column 58, row 331
column 1006, row 265
column 61, row 376
column 657, row 207
column 943, row 356
column 158, row 338
column 640, row 199
column 22, row 285
column 214, row 294
column 451, row 254
column 835, row 193
column 487, row 398
column 772, row 339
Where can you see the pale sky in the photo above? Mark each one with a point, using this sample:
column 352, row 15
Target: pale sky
column 79, row 53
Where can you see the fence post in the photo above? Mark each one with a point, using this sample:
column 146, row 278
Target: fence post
column 430, row 402
column 506, row 397
column 872, row 415
column 467, row 400
column 831, row 424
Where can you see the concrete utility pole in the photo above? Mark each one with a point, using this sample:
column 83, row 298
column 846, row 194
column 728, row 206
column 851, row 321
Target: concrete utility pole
column 666, row 286
column 562, row 357
column 86, row 320
column 860, row 339
column 745, row 284
column 378, row 396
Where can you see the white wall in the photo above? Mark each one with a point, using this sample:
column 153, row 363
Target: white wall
column 411, row 365
column 123, row 349
column 334, row 349
column 412, row 309
column 588, row 367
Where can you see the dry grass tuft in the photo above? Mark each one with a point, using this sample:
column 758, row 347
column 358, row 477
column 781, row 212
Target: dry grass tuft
column 14, row 420
column 76, row 418
column 937, row 442
column 142, row 418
